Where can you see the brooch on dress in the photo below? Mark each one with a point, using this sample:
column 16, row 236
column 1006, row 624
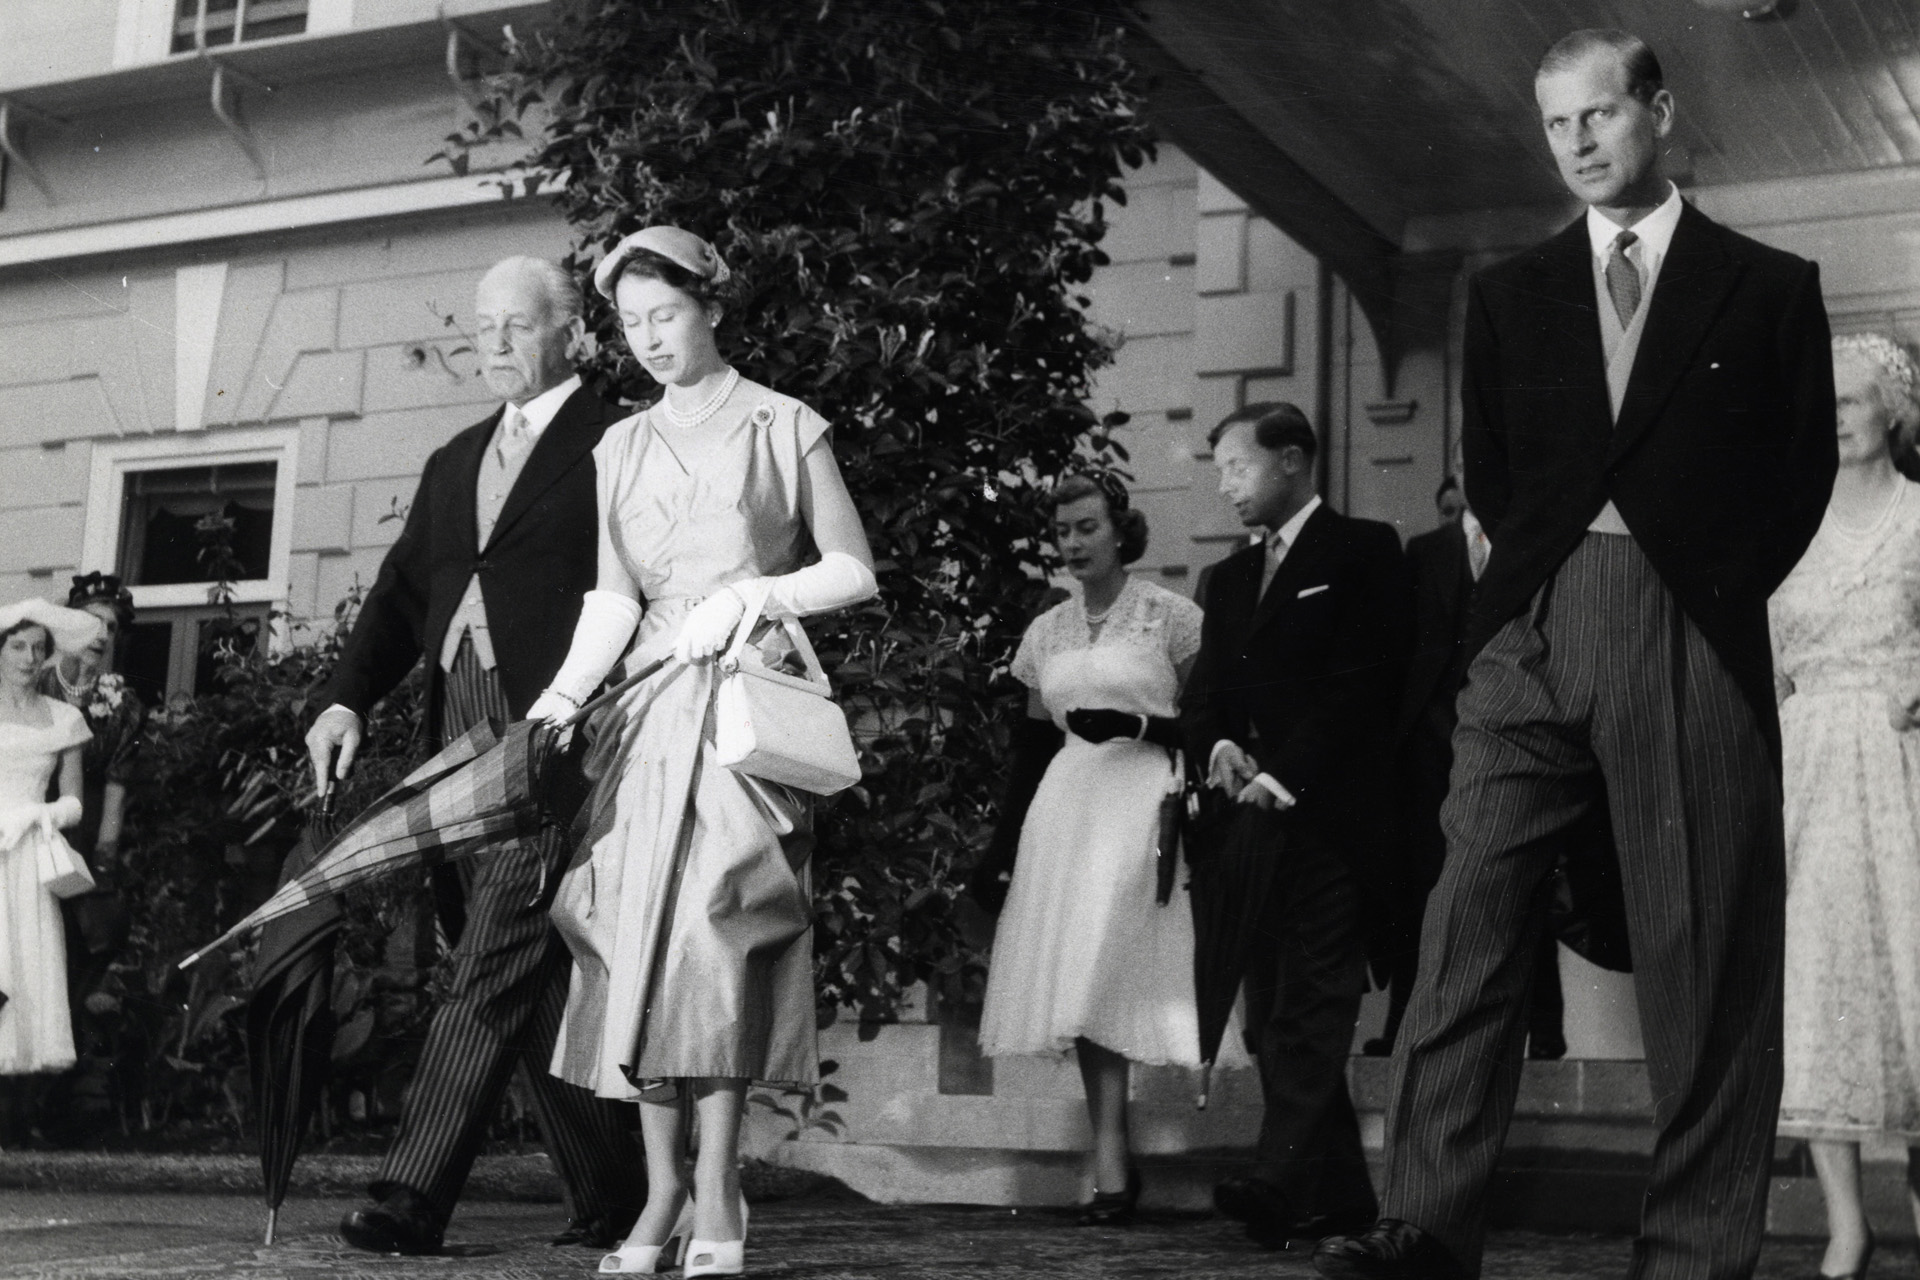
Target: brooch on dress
column 763, row 416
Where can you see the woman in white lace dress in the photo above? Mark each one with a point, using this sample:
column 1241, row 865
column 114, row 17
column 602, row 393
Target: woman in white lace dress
column 1846, row 629
column 1084, row 957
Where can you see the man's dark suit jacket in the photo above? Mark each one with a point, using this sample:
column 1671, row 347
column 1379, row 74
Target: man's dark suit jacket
column 1314, row 667
column 1442, row 591
column 540, row 561
column 1723, row 455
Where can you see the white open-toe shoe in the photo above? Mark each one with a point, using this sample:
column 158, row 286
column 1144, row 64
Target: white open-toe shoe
column 644, row 1259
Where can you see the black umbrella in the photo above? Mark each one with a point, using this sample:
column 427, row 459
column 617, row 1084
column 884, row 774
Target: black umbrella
column 1233, row 850
column 290, row 1019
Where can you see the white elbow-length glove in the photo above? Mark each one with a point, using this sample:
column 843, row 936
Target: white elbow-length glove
column 607, row 620
column 836, row 581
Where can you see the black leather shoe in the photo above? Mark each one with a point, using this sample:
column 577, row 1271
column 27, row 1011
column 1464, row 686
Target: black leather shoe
column 1307, row 1233
column 1547, row 1047
column 1389, row 1250
column 1112, row 1208
column 601, row 1232
column 401, row 1223
column 1254, row 1201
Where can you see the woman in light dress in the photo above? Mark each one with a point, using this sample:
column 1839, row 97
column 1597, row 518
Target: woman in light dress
column 688, row 906
column 1085, row 958
column 1846, row 633
column 39, row 739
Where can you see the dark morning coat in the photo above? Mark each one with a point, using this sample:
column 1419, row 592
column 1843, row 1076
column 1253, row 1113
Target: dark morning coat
column 1724, row 453
column 1315, row 667
column 533, row 571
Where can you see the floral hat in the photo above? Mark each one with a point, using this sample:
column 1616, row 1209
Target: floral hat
column 72, row 630
column 682, row 248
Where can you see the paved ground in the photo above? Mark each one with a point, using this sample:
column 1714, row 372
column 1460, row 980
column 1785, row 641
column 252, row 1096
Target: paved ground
column 50, row 1235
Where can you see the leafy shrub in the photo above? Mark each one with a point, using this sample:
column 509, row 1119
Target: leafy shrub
column 912, row 194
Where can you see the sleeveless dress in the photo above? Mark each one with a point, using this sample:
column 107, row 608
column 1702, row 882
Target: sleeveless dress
column 1082, row 948
column 36, row 1031
column 1846, row 628
column 688, row 906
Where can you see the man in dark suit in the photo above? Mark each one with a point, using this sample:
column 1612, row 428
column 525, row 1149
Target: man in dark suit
column 1648, row 422
column 485, row 582
column 1444, row 564
column 1290, row 706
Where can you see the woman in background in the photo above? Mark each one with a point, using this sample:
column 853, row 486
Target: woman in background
column 39, row 738
column 86, row 680
column 1084, row 956
column 1846, row 632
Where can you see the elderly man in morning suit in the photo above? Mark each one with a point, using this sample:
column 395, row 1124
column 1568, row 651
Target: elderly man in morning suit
column 1649, row 433
column 485, row 582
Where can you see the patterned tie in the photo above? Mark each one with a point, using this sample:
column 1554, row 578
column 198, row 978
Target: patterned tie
column 514, row 436
column 1623, row 279
column 1276, row 548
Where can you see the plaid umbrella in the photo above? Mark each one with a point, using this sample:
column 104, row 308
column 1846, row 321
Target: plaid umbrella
column 480, row 790
column 1233, row 850
column 290, row 1020
column 484, row 788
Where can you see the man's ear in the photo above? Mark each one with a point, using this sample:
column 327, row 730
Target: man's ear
column 576, row 339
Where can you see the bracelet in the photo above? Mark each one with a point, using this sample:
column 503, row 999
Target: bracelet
column 564, row 695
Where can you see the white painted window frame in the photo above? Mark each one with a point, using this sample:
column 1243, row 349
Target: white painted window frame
column 115, row 460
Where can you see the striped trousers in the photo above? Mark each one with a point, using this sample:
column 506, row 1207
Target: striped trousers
column 1605, row 693
column 501, row 1011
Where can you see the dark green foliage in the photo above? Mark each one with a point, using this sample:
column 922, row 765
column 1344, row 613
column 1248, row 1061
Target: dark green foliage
column 911, row 194
column 223, row 778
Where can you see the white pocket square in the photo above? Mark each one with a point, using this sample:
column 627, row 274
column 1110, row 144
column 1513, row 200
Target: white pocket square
column 1312, row 591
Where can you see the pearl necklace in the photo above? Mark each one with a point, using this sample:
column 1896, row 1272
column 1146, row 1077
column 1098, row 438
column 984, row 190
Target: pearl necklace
column 705, row 411
column 72, row 690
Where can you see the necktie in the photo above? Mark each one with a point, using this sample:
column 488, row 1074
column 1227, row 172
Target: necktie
column 1623, row 279
column 1276, row 548
column 514, row 437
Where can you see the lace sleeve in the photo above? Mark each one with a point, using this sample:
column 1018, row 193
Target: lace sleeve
column 1032, row 651
column 1183, row 628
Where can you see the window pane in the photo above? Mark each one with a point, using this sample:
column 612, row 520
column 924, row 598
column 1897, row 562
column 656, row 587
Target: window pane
column 147, row 651
column 160, row 537
column 252, row 19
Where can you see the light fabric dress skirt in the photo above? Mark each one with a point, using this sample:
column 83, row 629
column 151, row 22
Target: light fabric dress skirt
column 1852, row 1008
column 1082, row 949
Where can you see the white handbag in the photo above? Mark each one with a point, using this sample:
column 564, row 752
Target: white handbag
column 782, row 728
column 63, row 872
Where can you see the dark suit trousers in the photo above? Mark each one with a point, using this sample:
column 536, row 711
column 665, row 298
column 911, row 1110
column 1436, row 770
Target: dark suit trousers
column 501, row 1010
column 1605, row 679
column 1303, row 987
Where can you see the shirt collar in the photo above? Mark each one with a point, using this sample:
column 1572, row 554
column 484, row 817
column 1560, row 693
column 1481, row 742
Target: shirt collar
column 1471, row 523
column 540, row 410
column 1289, row 533
column 1654, row 232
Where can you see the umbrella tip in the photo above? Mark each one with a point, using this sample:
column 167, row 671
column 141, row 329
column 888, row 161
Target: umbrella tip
column 273, row 1215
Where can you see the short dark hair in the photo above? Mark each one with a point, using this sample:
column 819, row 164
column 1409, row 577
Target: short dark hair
column 645, row 264
column 1637, row 58
column 1276, row 425
column 1129, row 524
column 22, row 625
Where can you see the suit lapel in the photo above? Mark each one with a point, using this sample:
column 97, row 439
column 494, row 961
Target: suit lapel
column 465, row 496
column 1233, row 593
column 1693, row 286
column 1567, row 309
column 1456, row 575
column 569, row 437
column 1303, row 558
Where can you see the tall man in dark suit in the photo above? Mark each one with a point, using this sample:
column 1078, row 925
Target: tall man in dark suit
column 1649, row 435
column 485, row 582
column 1290, row 704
